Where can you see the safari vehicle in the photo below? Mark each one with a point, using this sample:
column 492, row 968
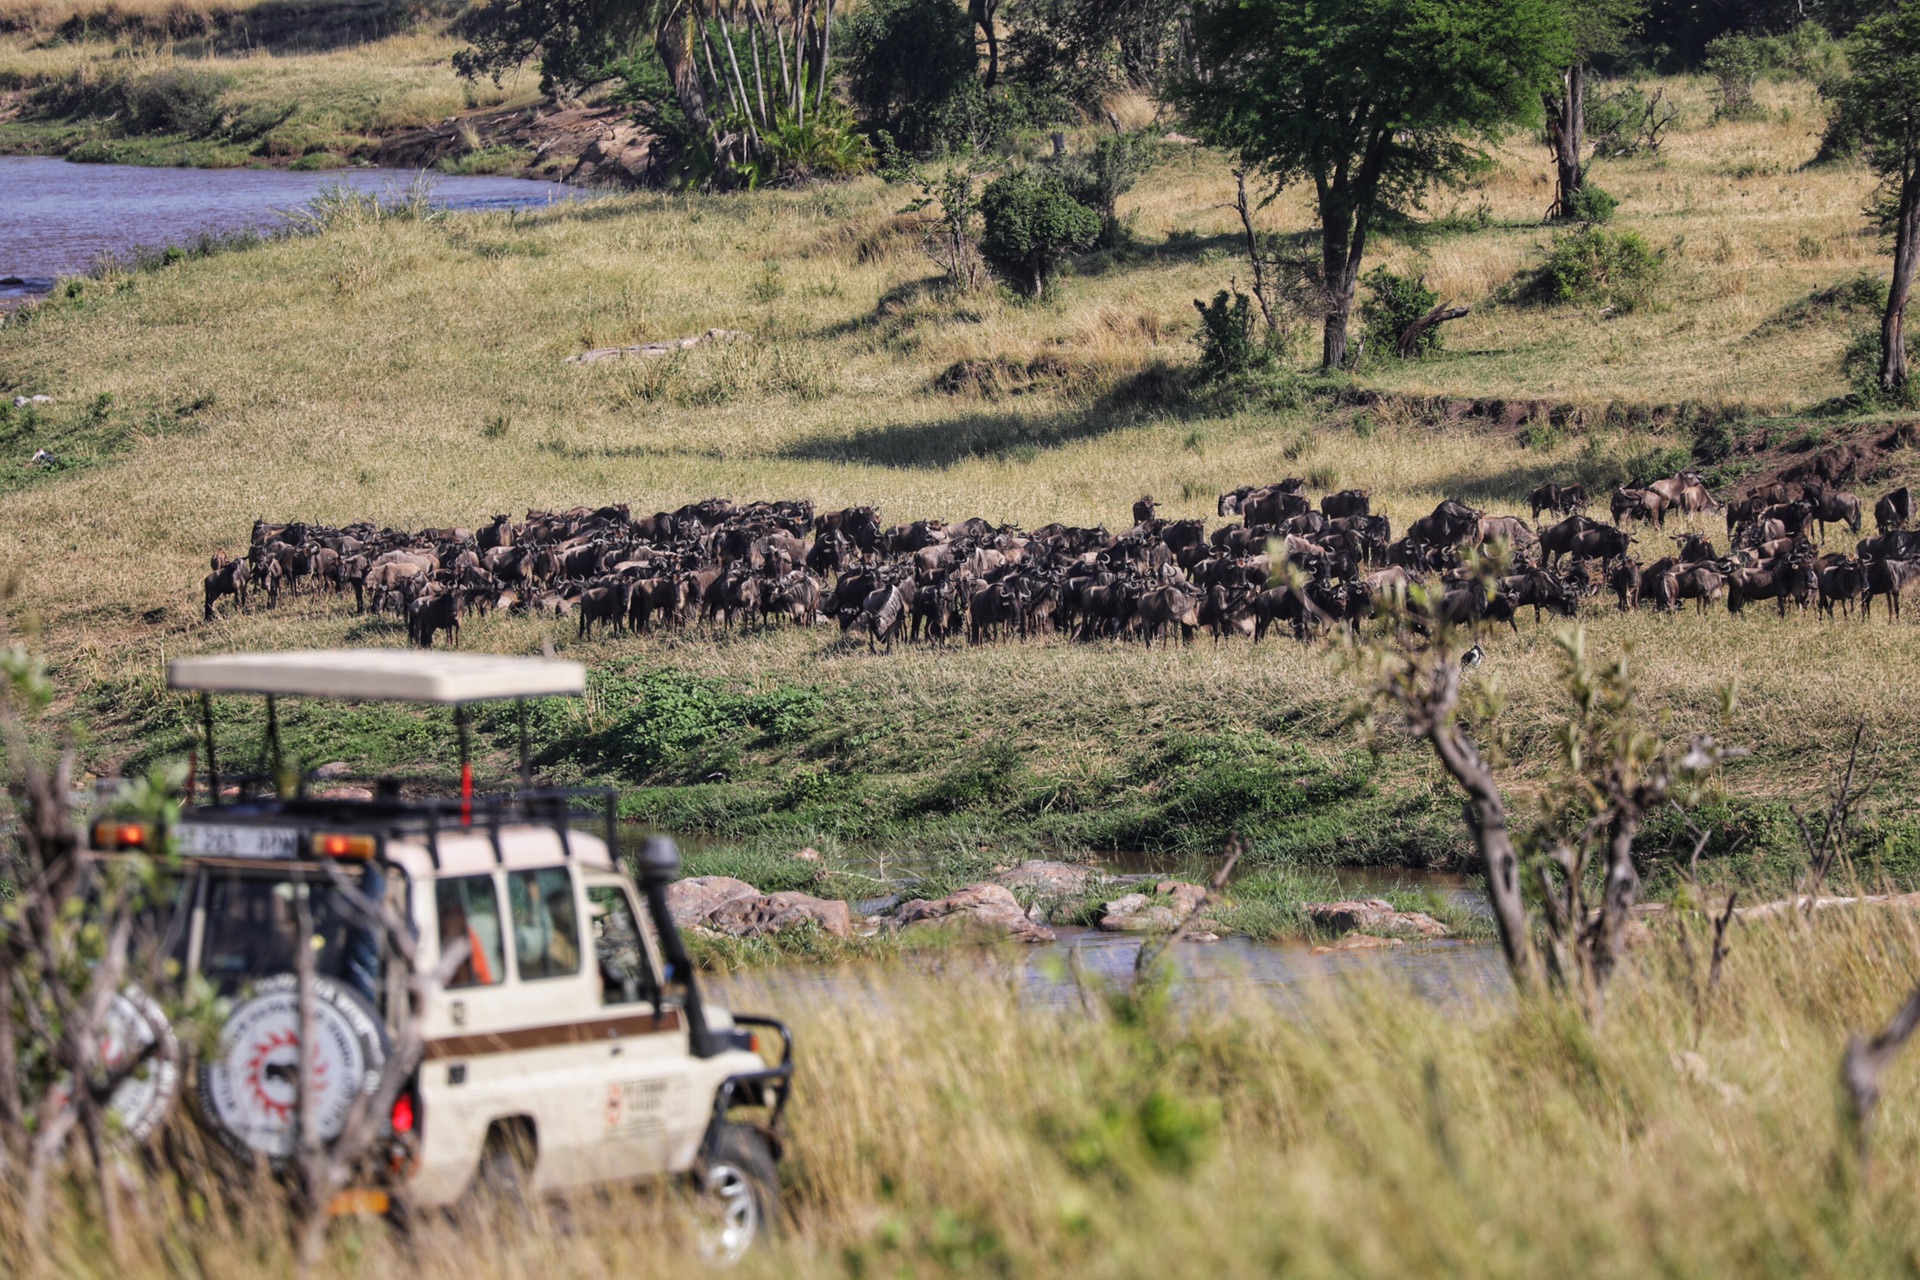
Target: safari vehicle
column 565, row 1047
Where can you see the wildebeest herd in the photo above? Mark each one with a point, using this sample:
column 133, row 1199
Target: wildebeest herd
column 1310, row 566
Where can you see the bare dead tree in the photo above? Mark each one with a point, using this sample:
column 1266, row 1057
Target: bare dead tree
column 1410, row 338
column 1286, row 286
column 1830, row 847
column 1613, row 770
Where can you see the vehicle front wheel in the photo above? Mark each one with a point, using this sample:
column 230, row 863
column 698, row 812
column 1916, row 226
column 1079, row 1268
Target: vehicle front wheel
column 736, row 1195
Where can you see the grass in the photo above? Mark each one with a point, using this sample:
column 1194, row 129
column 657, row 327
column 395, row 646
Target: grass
column 413, row 372
column 948, row 1125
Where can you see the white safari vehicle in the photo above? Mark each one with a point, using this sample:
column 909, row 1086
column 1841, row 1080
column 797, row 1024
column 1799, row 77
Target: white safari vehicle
column 568, row 1046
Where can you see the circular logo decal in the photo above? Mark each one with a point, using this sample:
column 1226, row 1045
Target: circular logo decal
column 249, row 1088
column 137, row 1035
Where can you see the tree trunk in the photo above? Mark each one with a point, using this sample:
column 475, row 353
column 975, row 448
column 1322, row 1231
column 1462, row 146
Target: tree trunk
column 1566, row 131
column 1342, row 240
column 983, row 18
column 1893, row 327
column 673, row 41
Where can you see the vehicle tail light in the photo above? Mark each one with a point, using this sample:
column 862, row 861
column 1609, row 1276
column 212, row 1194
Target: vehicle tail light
column 403, row 1113
column 333, row 845
column 120, row 835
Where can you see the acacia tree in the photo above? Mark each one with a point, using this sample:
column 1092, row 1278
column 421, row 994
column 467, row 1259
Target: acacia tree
column 1879, row 103
column 1596, row 26
column 1372, row 101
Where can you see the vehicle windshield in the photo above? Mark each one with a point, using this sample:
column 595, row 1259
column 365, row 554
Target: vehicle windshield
column 252, row 922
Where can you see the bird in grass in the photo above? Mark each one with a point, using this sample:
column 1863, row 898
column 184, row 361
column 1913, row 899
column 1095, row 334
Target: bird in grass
column 1473, row 656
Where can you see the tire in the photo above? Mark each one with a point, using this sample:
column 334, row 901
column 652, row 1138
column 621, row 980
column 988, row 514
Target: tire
column 736, row 1195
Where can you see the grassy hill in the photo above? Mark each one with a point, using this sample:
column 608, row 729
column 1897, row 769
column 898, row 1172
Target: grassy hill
column 413, row 371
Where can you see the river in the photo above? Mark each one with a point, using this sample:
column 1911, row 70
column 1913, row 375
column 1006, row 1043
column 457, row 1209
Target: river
column 59, row 219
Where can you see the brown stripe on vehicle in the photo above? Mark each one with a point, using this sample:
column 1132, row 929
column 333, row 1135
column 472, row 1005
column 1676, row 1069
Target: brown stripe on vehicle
column 594, row 1032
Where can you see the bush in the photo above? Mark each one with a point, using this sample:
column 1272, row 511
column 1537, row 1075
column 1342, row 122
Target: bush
column 1861, row 365
column 1591, row 204
column 909, row 66
column 667, row 722
column 1601, row 268
column 182, row 100
column 1229, row 346
column 1031, row 224
column 1735, row 61
column 1099, row 178
column 1397, row 302
column 827, row 144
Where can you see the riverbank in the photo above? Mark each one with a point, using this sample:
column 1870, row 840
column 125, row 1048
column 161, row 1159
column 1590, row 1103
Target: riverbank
column 255, row 91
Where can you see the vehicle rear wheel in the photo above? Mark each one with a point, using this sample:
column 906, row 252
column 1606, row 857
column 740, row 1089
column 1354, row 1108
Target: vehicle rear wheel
column 737, row 1194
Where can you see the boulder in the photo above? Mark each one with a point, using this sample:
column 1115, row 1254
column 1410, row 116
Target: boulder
column 1373, row 915
column 988, row 908
column 755, row 917
column 692, row 900
column 1047, row 879
column 808, row 854
column 1171, row 902
column 344, row 793
column 334, row 769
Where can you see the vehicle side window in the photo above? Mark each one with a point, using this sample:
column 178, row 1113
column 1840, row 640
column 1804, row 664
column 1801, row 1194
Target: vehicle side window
column 626, row 976
column 470, row 912
column 546, row 928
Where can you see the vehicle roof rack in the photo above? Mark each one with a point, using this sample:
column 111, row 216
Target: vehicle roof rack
column 380, row 675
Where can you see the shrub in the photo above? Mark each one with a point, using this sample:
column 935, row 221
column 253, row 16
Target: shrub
column 1591, row 204
column 1735, row 61
column 1229, row 346
column 1860, row 363
column 1395, row 304
column 1601, row 268
column 1031, row 224
column 1099, row 178
column 827, row 144
column 988, row 775
column 910, row 72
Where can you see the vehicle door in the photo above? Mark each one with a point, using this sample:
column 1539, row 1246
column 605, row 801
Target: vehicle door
column 470, row 1056
column 646, row 1095
column 562, row 1058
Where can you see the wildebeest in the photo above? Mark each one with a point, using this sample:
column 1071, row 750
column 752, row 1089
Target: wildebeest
column 1565, row 499
column 229, row 578
column 1347, row 503
column 1831, row 506
column 1450, row 524
column 437, row 612
column 1893, row 510
column 1886, row 578
column 1639, row 504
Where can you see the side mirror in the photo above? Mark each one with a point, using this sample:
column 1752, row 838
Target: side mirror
column 659, row 860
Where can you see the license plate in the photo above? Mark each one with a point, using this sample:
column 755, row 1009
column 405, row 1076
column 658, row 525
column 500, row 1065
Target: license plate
column 218, row 840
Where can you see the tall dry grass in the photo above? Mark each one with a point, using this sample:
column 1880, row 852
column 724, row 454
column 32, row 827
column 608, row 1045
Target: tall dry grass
column 945, row 1124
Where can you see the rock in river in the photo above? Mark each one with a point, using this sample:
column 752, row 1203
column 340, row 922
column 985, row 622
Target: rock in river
column 757, row 917
column 984, row 907
column 1374, row 915
column 694, row 899
column 1158, row 912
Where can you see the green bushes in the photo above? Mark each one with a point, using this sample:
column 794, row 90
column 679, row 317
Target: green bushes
column 668, row 723
column 1589, row 203
column 909, row 68
column 1100, row 177
column 1031, row 224
column 1394, row 305
column 1613, row 269
column 179, row 100
column 1229, row 345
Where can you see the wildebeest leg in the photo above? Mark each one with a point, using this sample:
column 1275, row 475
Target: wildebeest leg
column 1186, row 634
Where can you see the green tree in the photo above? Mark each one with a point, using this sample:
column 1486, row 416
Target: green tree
column 1031, row 223
column 908, row 63
column 1373, row 101
column 1880, row 103
column 1596, row 26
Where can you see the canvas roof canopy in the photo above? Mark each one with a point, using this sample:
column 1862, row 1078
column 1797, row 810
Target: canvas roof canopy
column 380, row 675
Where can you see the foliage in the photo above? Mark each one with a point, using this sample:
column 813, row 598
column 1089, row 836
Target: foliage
column 950, row 238
column 1596, row 267
column 1031, row 223
column 1230, row 346
column 1395, row 304
column 1374, row 101
column 1097, row 179
column 1737, row 60
column 180, row 100
column 1860, row 365
column 1590, row 203
column 909, row 67
column 664, row 722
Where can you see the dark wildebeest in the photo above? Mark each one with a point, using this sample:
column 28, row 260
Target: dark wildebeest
column 1143, row 509
column 1348, row 502
column 1886, row 578
column 1894, row 510
column 1639, row 504
column 1831, row 506
column 1450, row 524
column 1695, row 548
column 1840, row 579
column 1562, row 499
column 1599, row 542
column 229, row 578
column 1165, row 607
column 1702, row 583
column 1557, row 539
column 437, row 612
column 607, row 604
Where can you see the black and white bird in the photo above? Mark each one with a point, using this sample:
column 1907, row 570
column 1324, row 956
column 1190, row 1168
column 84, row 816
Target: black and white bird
column 1472, row 657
